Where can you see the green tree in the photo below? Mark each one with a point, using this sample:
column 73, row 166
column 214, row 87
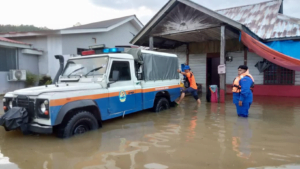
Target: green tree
column 20, row 28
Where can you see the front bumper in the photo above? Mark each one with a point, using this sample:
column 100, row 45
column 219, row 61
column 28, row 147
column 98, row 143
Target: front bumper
column 17, row 118
column 39, row 129
column 36, row 128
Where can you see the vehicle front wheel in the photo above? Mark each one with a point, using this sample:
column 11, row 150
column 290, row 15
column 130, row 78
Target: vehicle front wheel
column 80, row 123
column 161, row 104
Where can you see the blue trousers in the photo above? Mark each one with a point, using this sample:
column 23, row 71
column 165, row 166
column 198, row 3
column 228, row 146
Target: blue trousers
column 244, row 109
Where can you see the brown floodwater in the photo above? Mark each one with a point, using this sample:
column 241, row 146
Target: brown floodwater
column 186, row 137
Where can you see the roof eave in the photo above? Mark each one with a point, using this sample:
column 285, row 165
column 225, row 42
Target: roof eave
column 32, row 52
column 212, row 13
column 15, row 45
column 280, row 39
column 28, row 34
column 168, row 7
column 78, row 31
column 73, row 31
column 149, row 25
column 136, row 19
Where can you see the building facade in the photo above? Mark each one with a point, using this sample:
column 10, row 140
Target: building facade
column 67, row 42
column 205, row 39
column 16, row 55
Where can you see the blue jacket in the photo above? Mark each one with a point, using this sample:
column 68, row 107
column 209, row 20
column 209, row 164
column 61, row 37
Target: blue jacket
column 246, row 94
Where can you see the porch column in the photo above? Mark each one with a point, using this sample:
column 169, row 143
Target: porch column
column 151, row 46
column 187, row 54
column 222, row 62
column 245, row 56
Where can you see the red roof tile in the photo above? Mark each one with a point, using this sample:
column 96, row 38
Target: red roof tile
column 12, row 41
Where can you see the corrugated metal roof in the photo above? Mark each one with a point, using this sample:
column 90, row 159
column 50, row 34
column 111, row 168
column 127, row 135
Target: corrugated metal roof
column 286, row 26
column 12, row 41
column 264, row 20
column 101, row 24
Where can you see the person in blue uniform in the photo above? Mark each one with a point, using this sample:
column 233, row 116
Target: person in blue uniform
column 242, row 91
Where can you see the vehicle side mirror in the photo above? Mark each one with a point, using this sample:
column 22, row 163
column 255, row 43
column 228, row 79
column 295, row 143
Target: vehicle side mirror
column 115, row 76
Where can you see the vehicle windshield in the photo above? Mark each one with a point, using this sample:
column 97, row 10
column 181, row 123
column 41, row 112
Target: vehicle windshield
column 83, row 66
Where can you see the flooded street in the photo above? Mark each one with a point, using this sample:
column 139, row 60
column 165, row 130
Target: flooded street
column 186, row 137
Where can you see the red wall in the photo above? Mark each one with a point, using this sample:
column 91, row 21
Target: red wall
column 272, row 90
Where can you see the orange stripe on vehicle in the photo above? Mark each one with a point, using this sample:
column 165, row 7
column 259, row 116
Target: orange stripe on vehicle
column 64, row 101
column 160, row 88
column 138, row 91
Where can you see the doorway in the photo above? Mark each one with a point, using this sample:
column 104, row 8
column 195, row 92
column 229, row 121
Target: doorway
column 212, row 76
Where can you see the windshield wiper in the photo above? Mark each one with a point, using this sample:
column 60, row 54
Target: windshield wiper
column 75, row 71
column 93, row 70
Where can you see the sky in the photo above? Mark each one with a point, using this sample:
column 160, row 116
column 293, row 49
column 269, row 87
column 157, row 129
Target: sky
column 58, row 14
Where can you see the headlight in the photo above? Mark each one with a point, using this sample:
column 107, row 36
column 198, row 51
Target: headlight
column 4, row 100
column 10, row 104
column 43, row 107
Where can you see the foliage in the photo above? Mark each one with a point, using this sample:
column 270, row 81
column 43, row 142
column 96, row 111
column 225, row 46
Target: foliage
column 31, row 79
column 45, row 80
column 20, row 28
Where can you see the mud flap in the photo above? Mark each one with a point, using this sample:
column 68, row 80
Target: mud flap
column 15, row 118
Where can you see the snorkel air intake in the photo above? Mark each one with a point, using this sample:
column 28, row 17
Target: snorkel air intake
column 61, row 67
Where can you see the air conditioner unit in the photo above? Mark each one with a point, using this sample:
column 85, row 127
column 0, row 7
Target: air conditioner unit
column 16, row 75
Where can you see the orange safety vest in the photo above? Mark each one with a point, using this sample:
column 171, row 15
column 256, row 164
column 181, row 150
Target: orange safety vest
column 236, row 88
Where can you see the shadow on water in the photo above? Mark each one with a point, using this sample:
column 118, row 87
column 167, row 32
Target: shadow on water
column 188, row 136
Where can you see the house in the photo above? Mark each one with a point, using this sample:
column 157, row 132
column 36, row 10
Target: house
column 205, row 39
column 16, row 55
column 74, row 40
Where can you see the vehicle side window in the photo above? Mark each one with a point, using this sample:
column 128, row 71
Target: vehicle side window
column 123, row 68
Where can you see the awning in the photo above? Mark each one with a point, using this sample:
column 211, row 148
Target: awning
column 269, row 53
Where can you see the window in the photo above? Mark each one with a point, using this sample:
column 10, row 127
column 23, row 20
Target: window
column 8, row 59
column 276, row 75
column 123, row 68
column 84, row 66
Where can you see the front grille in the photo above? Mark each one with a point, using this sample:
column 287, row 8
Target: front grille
column 28, row 104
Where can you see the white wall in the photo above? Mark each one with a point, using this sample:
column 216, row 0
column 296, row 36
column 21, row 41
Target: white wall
column 238, row 59
column 198, row 65
column 297, row 78
column 118, row 36
column 40, row 43
column 28, row 62
column 6, row 86
column 54, row 48
column 25, row 62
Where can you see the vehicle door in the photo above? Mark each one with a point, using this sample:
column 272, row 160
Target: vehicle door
column 121, row 92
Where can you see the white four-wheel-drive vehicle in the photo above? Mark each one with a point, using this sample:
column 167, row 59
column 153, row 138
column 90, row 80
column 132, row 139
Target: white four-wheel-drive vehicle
column 92, row 88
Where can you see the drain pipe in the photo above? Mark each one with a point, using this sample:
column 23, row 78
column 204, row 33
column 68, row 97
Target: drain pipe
column 61, row 67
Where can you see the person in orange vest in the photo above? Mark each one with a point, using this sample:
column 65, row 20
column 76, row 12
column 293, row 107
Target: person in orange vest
column 242, row 89
column 192, row 89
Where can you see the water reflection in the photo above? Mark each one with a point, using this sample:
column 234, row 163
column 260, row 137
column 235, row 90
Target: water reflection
column 193, row 124
column 241, row 136
column 289, row 166
column 210, row 136
column 99, row 149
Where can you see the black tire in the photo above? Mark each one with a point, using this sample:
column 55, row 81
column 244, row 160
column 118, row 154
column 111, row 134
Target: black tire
column 161, row 104
column 80, row 123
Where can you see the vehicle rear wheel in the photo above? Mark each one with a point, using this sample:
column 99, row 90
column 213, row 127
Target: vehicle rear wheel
column 161, row 104
column 80, row 123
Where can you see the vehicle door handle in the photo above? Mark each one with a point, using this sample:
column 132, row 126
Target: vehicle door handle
column 130, row 92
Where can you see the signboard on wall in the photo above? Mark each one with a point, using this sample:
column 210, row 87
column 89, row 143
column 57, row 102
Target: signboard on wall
column 222, row 69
